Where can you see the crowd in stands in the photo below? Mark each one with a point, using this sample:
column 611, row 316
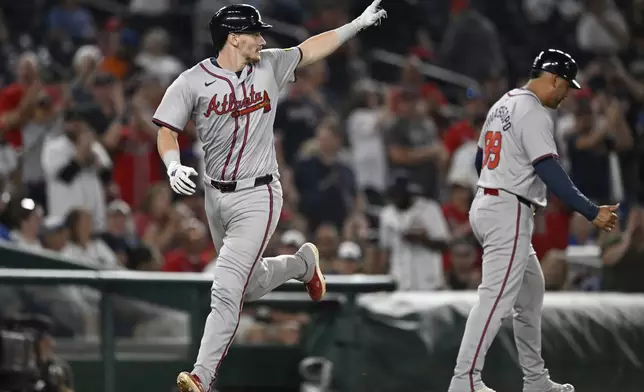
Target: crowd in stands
column 376, row 161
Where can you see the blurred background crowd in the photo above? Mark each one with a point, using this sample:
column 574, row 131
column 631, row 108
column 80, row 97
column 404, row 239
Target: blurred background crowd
column 376, row 145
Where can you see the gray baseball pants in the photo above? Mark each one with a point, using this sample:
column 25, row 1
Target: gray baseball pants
column 241, row 224
column 512, row 284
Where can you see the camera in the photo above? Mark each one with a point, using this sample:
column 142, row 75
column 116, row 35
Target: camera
column 18, row 355
column 23, row 367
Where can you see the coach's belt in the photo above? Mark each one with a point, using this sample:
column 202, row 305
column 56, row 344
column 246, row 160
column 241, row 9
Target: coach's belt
column 495, row 192
column 232, row 186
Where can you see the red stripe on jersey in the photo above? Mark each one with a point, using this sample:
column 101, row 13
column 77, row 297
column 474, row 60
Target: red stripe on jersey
column 241, row 151
column 232, row 145
column 498, row 297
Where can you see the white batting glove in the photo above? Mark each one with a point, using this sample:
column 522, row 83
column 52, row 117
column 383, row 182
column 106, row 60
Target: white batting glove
column 180, row 181
column 371, row 16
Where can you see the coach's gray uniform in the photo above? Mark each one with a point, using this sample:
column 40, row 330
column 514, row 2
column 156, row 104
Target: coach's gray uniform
column 234, row 118
column 518, row 132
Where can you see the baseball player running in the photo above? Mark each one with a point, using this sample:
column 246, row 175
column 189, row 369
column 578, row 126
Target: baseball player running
column 516, row 161
column 232, row 99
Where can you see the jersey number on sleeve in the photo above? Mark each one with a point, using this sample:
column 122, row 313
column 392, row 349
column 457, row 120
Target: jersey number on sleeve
column 492, row 151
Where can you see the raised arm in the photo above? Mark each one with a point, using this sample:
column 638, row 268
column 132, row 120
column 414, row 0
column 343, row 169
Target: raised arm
column 322, row 45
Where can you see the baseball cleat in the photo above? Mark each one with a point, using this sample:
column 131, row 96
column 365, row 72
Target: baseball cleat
column 554, row 387
column 316, row 287
column 189, row 383
column 485, row 389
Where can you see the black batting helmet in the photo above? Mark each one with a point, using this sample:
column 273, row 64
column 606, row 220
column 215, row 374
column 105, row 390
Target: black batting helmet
column 558, row 63
column 236, row 18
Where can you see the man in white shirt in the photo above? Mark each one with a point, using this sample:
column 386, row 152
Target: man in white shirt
column 76, row 166
column 366, row 139
column 413, row 235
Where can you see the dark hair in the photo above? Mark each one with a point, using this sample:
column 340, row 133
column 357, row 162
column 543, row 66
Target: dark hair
column 15, row 213
column 401, row 184
column 138, row 256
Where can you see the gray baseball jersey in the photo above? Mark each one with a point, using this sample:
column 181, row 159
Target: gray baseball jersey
column 233, row 114
column 518, row 132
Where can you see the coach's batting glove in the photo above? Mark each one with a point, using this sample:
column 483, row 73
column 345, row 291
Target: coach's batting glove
column 371, row 16
column 180, row 181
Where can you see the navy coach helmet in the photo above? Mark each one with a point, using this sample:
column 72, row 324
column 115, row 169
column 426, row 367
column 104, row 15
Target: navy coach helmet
column 236, row 18
column 558, row 63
